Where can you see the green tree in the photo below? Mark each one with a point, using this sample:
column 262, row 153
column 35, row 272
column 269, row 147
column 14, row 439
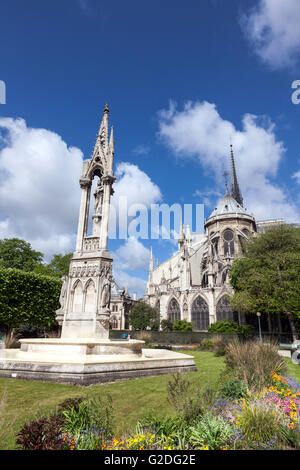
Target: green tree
column 143, row 316
column 18, row 254
column 28, row 298
column 267, row 278
column 58, row 266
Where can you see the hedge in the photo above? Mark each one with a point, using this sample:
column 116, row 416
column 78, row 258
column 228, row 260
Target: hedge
column 27, row 297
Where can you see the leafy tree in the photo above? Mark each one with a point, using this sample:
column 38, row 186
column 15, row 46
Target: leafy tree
column 182, row 325
column 18, row 254
column 58, row 266
column 143, row 316
column 28, row 298
column 267, row 278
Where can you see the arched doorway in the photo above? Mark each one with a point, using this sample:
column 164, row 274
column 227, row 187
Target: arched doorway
column 200, row 314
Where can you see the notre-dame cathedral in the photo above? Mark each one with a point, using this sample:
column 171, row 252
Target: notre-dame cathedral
column 193, row 284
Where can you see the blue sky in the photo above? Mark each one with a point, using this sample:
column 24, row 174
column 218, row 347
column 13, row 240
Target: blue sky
column 181, row 79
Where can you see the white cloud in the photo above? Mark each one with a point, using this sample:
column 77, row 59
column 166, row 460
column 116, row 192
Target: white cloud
column 132, row 255
column 136, row 185
column 141, row 149
column 39, row 190
column 134, row 284
column 272, row 28
column 198, row 131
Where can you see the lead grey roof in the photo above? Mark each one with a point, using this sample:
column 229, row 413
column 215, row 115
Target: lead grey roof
column 228, row 205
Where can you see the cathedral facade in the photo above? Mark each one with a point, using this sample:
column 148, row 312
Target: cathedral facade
column 193, row 284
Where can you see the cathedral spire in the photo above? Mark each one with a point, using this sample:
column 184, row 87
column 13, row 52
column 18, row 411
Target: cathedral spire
column 235, row 189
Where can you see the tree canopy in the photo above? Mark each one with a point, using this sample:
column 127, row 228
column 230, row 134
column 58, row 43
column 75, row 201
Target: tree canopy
column 267, row 278
column 18, row 254
column 143, row 316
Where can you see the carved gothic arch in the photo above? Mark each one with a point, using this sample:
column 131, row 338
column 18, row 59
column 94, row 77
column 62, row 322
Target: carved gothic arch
column 224, row 310
column 173, row 309
column 200, row 313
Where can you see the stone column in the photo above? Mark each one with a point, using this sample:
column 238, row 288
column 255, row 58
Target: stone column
column 85, row 185
column 107, row 192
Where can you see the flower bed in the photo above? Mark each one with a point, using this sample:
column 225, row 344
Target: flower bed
column 250, row 413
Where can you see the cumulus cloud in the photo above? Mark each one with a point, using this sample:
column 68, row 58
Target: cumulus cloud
column 132, row 255
column 198, row 131
column 136, row 185
column 272, row 28
column 39, row 191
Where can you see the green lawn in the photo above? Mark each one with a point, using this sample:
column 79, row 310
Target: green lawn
column 131, row 398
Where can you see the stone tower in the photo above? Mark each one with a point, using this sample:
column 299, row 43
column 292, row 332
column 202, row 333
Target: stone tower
column 85, row 294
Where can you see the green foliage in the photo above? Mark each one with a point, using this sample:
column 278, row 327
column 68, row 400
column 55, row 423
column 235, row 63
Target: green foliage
column 212, row 431
column 58, row 266
column 166, row 325
column 260, row 424
column 18, row 254
column 267, row 278
column 227, row 326
column 182, row 325
column 233, row 389
column 26, row 297
column 90, row 422
column 189, row 403
column 143, row 316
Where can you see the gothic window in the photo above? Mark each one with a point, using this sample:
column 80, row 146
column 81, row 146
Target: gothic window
column 200, row 314
column 157, row 306
column 228, row 238
column 114, row 323
column 224, row 311
column 173, row 311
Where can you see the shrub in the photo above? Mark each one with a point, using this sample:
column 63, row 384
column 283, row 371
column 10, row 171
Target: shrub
column 254, row 362
column 206, row 345
column 166, row 325
column 211, row 431
column 182, row 325
column 226, row 326
column 233, row 389
column 189, row 403
column 45, row 433
column 219, row 345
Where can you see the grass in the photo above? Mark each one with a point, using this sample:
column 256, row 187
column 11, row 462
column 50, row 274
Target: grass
column 132, row 398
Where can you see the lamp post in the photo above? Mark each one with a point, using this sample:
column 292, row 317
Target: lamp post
column 258, row 314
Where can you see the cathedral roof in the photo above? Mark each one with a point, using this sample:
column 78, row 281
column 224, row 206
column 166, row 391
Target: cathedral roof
column 228, row 205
